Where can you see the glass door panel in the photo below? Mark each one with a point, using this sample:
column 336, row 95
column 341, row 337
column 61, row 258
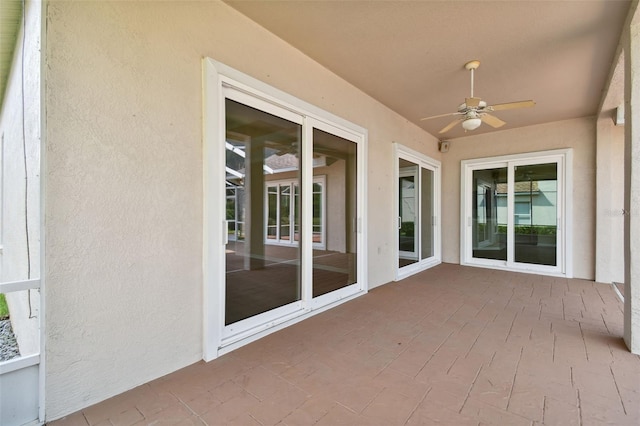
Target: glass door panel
column 408, row 212
column 334, row 267
column 258, row 276
column 427, row 213
column 489, row 213
column 535, row 213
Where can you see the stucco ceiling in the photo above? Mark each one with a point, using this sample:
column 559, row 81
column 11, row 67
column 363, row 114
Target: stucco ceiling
column 410, row 55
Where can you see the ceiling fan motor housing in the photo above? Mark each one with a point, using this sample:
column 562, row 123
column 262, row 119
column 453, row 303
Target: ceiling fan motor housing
column 464, row 108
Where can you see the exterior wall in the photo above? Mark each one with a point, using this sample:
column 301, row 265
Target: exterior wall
column 20, row 203
column 124, row 181
column 578, row 134
column 610, row 202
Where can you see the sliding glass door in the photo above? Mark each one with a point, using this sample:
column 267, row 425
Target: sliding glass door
column 292, row 194
column 418, row 231
column 514, row 212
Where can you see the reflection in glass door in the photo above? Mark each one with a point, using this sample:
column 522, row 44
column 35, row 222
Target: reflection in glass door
column 259, row 279
column 535, row 213
column 334, row 266
column 489, row 227
column 408, row 209
column 291, row 232
column 417, row 204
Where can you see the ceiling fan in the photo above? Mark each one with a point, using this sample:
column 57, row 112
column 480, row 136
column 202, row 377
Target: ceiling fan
column 474, row 111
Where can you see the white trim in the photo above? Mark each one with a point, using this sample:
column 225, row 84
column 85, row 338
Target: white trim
column 245, row 83
column 306, row 220
column 19, row 363
column 213, row 243
column 284, row 323
column 423, row 162
column 43, row 196
column 19, row 285
column 220, row 81
column 241, row 329
column 563, row 158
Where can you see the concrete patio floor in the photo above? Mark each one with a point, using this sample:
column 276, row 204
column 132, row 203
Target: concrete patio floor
column 452, row 345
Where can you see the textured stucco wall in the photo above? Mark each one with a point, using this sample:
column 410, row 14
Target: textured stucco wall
column 610, row 201
column 20, row 216
column 124, row 182
column 578, row 134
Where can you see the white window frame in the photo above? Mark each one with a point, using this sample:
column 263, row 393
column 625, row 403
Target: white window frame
column 564, row 160
column 293, row 183
column 423, row 162
column 218, row 81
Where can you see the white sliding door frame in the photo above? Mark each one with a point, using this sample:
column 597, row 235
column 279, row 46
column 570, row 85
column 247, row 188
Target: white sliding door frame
column 422, row 162
column 221, row 82
column 564, row 212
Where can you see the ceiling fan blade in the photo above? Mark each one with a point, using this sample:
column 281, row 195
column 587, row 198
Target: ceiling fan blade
column 472, row 102
column 492, row 121
column 441, row 115
column 511, row 105
column 449, row 126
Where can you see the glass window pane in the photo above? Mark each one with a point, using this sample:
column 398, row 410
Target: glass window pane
column 259, row 277
column 535, row 213
column 489, row 218
column 335, row 158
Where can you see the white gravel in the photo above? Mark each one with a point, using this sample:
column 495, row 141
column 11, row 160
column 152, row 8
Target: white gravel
column 8, row 345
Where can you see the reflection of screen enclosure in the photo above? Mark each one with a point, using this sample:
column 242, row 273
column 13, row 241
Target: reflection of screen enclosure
column 256, row 279
column 264, row 212
column 335, row 267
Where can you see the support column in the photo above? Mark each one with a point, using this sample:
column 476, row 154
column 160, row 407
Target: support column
column 254, row 205
column 632, row 188
column 610, row 196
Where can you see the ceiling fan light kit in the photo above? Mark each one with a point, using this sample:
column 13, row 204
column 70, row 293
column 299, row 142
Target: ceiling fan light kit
column 474, row 111
column 471, row 123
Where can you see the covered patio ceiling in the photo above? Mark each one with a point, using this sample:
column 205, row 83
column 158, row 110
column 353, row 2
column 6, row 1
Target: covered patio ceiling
column 410, row 55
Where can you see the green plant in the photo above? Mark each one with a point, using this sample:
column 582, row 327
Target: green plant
column 4, row 309
column 407, row 229
column 529, row 229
